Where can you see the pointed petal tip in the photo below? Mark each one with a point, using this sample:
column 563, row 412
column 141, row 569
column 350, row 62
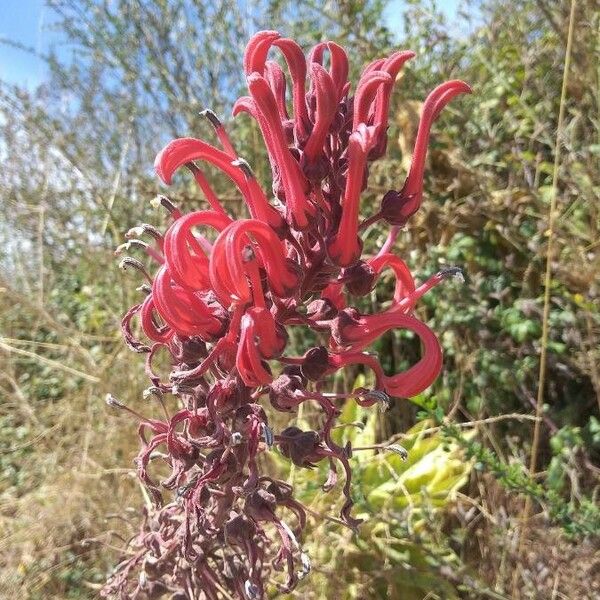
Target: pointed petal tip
column 169, row 159
column 458, row 86
column 399, row 57
column 462, row 86
column 257, row 49
column 243, row 104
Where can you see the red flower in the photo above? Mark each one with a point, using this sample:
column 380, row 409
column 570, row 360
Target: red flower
column 221, row 311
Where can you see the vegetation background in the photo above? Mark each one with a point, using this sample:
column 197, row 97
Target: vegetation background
column 469, row 515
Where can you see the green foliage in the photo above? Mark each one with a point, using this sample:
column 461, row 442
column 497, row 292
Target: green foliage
column 579, row 514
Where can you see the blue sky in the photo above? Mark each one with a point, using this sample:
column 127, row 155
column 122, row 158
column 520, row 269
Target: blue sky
column 24, row 20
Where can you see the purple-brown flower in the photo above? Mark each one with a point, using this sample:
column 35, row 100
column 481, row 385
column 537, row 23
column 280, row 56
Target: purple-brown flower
column 221, row 310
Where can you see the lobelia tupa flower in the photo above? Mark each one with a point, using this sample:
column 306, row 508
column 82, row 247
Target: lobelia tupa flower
column 216, row 526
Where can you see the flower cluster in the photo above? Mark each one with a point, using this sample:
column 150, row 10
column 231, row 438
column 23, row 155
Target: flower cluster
column 221, row 302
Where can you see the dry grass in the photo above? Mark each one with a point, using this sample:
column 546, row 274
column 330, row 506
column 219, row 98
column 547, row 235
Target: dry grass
column 69, row 458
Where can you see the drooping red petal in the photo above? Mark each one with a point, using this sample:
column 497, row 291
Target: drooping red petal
column 181, row 309
column 297, row 65
column 368, row 87
column 245, row 104
column 184, row 255
column 372, row 66
column 415, row 379
column 434, row 103
column 248, row 361
column 274, row 75
column 398, row 207
column 422, row 374
column 269, row 341
column 185, row 150
column 338, row 69
column 381, row 106
column 405, row 284
column 227, row 261
column 256, row 51
column 156, row 334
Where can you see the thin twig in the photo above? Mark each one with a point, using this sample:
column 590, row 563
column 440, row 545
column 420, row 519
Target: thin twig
column 466, row 425
column 116, row 182
column 48, row 361
column 31, row 442
column 550, row 249
column 547, row 283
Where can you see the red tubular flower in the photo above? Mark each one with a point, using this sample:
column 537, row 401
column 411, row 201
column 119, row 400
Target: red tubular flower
column 398, row 207
column 405, row 284
column 297, row 66
column 369, row 85
column 184, row 254
column 339, row 65
column 185, row 150
column 409, row 383
column 186, row 312
column 255, row 62
column 351, row 330
column 299, row 209
column 275, row 76
column 380, row 110
column 221, row 310
column 260, row 339
column 229, row 267
column 345, row 247
column 358, row 334
column 156, row 332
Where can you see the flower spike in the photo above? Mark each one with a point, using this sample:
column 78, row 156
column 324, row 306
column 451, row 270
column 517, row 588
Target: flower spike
column 219, row 296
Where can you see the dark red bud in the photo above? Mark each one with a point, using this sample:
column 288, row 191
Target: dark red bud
column 260, row 505
column 239, row 529
column 346, row 321
column 396, row 208
column 287, row 391
column 359, row 279
column 315, row 363
column 321, row 310
column 300, row 446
